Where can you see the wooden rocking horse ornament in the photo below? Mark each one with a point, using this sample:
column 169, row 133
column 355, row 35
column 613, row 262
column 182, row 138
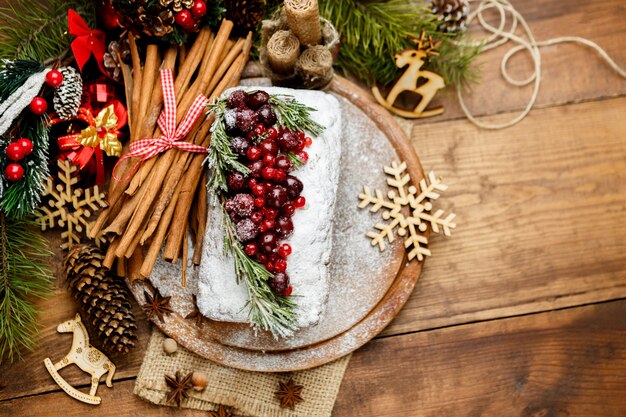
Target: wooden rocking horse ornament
column 86, row 357
column 414, row 59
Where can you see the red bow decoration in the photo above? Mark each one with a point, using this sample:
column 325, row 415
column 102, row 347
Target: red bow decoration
column 172, row 135
column 87, row 41
column 92, row 157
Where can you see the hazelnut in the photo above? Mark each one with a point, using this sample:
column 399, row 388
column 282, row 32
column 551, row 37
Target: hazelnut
column 198, row 380
column 170, row 346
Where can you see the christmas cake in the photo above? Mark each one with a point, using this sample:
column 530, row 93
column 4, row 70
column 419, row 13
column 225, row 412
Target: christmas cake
column 281, row 211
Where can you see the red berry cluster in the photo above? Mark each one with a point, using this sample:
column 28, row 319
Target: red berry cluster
column 187, row 19
column 16, row 151
column 262, row 203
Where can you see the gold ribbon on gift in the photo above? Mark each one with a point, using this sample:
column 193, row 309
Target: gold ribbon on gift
column 103, row 132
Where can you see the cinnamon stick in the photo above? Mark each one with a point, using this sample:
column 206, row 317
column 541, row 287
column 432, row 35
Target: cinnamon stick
column 201, row 219
column 137, row 79
column 134, row 265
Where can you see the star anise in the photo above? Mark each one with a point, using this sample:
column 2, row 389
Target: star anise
column 195, row 315
column 179, row 387
column 289, row 394
column 156, row 305
column 221, row 412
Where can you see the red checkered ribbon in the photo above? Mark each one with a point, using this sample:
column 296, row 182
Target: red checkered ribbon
column 172, row 135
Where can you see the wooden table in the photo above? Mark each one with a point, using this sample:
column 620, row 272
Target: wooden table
column 523, row 311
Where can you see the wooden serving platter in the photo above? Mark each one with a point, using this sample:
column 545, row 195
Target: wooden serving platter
column 368, row 288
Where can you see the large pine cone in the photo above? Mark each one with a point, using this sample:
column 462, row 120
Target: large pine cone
column 452, row 14
column 245, row 14
column 152, row 18
column 102, row 297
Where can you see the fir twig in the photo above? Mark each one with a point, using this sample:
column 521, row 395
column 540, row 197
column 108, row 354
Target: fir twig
column 23, row 275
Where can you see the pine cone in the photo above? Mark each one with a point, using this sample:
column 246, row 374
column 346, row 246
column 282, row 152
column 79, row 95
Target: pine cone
column 152, row 18
column 452, row 14
column 245, row 14
column 67, row 97
column 102, row 297
column 115, row 51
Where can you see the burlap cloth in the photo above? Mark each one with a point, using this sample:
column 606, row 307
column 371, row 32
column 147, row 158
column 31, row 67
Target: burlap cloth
column 248, row 393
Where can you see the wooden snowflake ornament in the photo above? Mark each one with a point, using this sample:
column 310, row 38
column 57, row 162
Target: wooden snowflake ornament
column 419, row 202
column 70, row 207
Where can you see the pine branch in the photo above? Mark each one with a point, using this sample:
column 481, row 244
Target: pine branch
column 37, row 29
column 372, row 31
column 23, row 276
column 294, row 115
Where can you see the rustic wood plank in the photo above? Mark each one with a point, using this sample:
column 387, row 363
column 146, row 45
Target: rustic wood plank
column 571, row 73
column 541, row 221
column 564, row 363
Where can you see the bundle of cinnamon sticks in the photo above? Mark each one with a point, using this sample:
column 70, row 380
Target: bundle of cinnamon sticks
column 162, row 202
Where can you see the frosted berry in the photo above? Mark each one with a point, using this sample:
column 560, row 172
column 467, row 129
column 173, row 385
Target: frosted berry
column 277, row 197
column 284, row 226
column 269, row 160
column 246, row 120
column 14, row 172
column 284, row 250
column 288, row 141
column 246, row 230
column 239, row 145
column 268, row 242
column 199, row 9
column 294, row 187
column 237, row 100
column 267, row 173
column 236, row 181
column 230, row 122
column 38, row 106
column 257, row 216
column 300, row 202
column 242, row 204
column 268, row 147
column 257, row 99
column 279, row 283
column 15, row 152
column 254, row 153
column 255, row 169
column 54, row 78
column 283, row 162
column 26, row 145
column 266, row 115
column 280, row 265
column 185, row 20
column 251, row 249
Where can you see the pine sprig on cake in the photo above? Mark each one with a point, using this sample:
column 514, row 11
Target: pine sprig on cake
column 294, row 115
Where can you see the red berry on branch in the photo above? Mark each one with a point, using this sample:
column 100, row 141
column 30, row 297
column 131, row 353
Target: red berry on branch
column 199, row 9
column 185, row 20
column 15, row 152
column 284, row 250
column 54, row 78
column 38, row 106
column 14, row 172
column 26, row 145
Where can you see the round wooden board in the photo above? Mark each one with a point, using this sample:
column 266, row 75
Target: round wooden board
column 216, row 341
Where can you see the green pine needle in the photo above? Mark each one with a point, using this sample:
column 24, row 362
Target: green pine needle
column 37, row 29
column 24, row 275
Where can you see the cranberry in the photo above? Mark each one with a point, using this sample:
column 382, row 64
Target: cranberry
column 257, row 99
column 267, row 173
column 288, row 291
column 259, row 202
column 294, row 187
column 242, row 204
column 288, row 141
column 246, row 230
column 269, row 160
column 268, row 224
column 300, row 202
column 268, row 242
column 289, row 210
column 262, row 258
column 268, row 147
column 284, row 226
column 236, row 181
column 258, row 190
column 239, row 145
column 269, row 265
column 259, row 129
column 230, row 122
column 300, row 134
column 251, row 249
column 280, row 265
column 308, row 141
column 246, row 120
column 277, row 197
column 279, row 176
column 255, row 169
column 237, row 100
column 284, row 250
column 279, row 283
column 269, row 213
column 271, row 133
column 266, row 115
column 283, row 162
column 253, row 153
column 257, row 216
column 303, row 156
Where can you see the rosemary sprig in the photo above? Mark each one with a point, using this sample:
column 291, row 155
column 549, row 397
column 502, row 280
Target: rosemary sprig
column 294, row 115
column 296, row 162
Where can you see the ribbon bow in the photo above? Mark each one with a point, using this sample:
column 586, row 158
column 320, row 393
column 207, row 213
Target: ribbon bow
column 100, row 135
column 87, row 41
column 172, row 136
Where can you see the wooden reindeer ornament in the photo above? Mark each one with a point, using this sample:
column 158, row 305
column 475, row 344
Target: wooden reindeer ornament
column 86, row 357
column 413, row 59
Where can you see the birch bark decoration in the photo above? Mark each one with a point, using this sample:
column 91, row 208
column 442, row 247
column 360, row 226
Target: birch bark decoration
column 303, row 17
column 315, row 66
column 283, row 50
